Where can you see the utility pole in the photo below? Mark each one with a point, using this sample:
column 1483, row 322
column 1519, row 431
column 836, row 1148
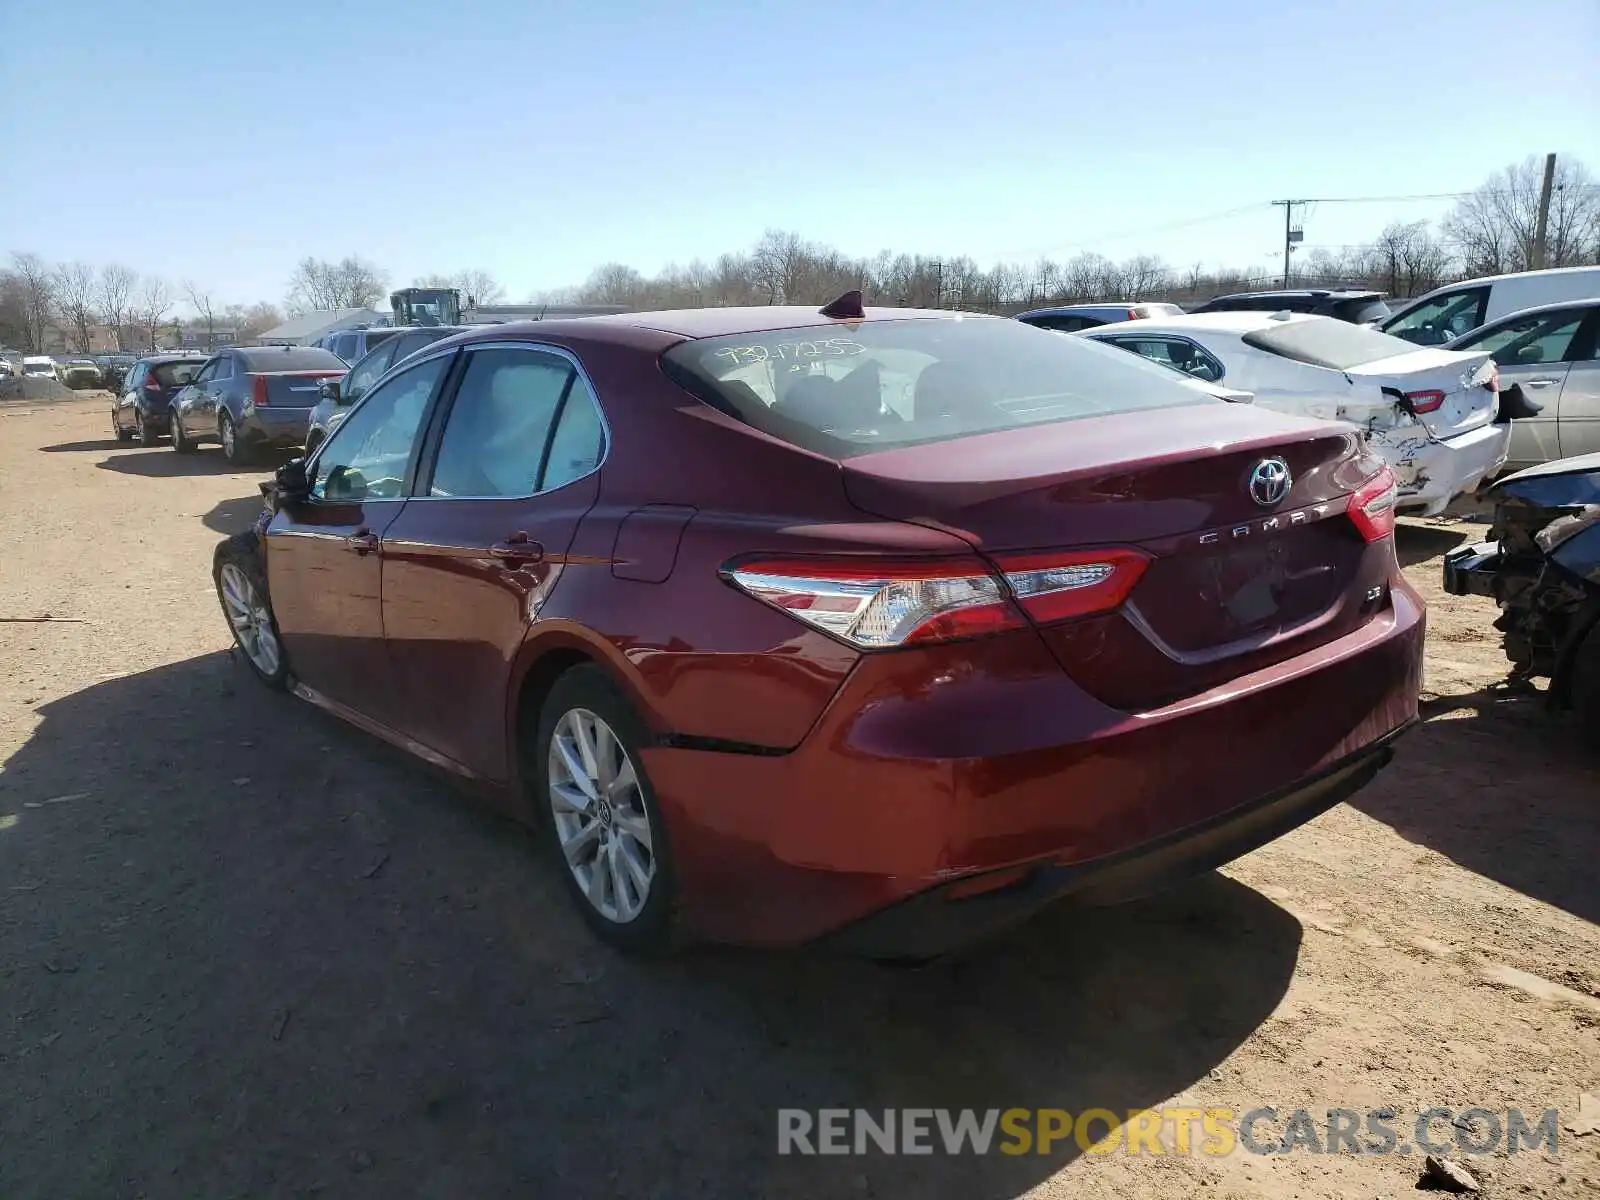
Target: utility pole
column 1537, row 258
column 1289, row 232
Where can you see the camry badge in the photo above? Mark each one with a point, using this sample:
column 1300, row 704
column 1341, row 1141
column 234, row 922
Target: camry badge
column 1269, row 482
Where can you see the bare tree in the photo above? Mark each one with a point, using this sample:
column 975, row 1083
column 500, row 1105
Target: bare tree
column 319, row 286
column 206, row 307
column 249, row 321
column 37, row 296
column 476, row 285
column 75, row 294
column 151, row 308
column 1494, row 226
column 115, row 297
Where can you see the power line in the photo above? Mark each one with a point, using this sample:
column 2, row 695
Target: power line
column 1164, row 227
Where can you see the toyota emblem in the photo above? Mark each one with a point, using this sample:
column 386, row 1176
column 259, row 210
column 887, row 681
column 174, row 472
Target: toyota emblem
column 1269, row 482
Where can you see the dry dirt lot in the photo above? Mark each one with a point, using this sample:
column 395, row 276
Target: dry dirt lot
column 247, row 951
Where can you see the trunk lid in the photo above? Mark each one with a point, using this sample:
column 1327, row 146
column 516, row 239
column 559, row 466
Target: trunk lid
column 1463, row 405
column 1232, row 584
column 295, row 389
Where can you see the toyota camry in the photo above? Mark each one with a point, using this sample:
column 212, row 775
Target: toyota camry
column 871, row 627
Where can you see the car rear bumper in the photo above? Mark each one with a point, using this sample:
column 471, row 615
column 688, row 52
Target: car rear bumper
column 1433, row 473
column 953, row 915
column 990, row 760
column 275, row 426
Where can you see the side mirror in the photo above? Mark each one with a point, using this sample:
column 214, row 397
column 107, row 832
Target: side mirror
column 329, row 390
column 291, row 484
column 1530, row 354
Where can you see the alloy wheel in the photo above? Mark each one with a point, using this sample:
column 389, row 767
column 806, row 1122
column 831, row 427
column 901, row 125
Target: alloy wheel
column 251, row 620
column 599, row 815
column 226, row 432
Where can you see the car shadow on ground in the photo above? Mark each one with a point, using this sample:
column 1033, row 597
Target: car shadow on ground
column 228, row 517
column 86, row 447
column 1503, row 786
column 1418, row 543
column 253, row 950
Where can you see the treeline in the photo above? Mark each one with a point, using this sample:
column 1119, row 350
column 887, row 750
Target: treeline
column 1488, row 231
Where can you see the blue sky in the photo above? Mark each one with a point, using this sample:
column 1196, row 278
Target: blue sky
column 222, row 142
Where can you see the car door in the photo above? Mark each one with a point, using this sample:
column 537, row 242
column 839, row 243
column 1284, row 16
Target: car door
column 219, row 393
column 1533, row 351
column 324, row 554
column 512, row 469
column 129, row 393
column 189, row 403
column 1580, row 392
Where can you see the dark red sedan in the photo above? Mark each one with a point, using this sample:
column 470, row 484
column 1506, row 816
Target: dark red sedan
column 880, row 627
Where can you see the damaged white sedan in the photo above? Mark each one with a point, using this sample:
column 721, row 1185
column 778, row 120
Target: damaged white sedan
column 1430, row 413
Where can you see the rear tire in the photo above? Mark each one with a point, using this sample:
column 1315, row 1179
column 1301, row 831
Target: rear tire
column 1584, row 685
column 238, row 569
column 233, row 446
column 598, row 838
column 141, row 429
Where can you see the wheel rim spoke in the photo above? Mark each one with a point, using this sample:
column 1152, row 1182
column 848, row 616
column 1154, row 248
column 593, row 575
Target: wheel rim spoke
column 599, row 816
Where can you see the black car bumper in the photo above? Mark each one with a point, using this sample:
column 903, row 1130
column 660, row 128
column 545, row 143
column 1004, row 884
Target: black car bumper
column 1472, row 570
column 945, row 918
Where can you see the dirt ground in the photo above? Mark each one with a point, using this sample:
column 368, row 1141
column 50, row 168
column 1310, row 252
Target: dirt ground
column 247, row 951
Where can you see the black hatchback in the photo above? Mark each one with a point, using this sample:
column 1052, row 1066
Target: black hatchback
column 141, row 405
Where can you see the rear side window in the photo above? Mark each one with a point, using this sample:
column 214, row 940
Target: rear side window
column 290, row 358
column 1178, row 353
column 1326, row 342
column 1442, row 319
column 844, row 390
column 498, row 431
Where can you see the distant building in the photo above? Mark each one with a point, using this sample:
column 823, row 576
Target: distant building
column 193, row 338
column 308, row 327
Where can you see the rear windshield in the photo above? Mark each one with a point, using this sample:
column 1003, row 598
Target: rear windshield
column 842, row 390
column 176, row 374
column 1327, row 342
column 291, row 358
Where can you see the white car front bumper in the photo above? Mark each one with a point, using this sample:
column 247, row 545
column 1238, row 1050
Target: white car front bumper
column 1433, row 473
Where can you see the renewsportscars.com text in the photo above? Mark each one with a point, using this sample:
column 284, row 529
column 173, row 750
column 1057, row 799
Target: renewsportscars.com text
column 1172, row 1130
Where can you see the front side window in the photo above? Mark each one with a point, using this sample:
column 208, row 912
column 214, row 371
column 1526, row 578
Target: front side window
column 1442, row 319
column 498, row 432
column 844, row 390
column 1527, row 340
column 369, row 455
column 1180, row 354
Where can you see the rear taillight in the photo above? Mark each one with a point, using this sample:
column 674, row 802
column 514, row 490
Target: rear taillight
column 1372, row 506
column 258, row 384
column 879, row 604
column 1059, row 587
column 1425, row 402
column 150, row 385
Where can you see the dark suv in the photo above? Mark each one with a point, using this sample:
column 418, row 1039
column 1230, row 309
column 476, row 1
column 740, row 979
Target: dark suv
column 251, row 398
column 339, row 395
column 1357, row 307
column 142, row 400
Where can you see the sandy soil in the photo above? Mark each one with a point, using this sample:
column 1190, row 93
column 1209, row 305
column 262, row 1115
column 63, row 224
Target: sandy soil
column 247, row 951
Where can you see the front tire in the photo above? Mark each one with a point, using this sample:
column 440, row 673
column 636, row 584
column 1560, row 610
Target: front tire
column 180, row 439
column 117, row 430
column 233, row 446
column 599, row 813
column 239, row 573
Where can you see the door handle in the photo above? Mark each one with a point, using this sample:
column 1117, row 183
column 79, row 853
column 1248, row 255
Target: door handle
column 517, row 550
column 363, row 541
column 1539, row 383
